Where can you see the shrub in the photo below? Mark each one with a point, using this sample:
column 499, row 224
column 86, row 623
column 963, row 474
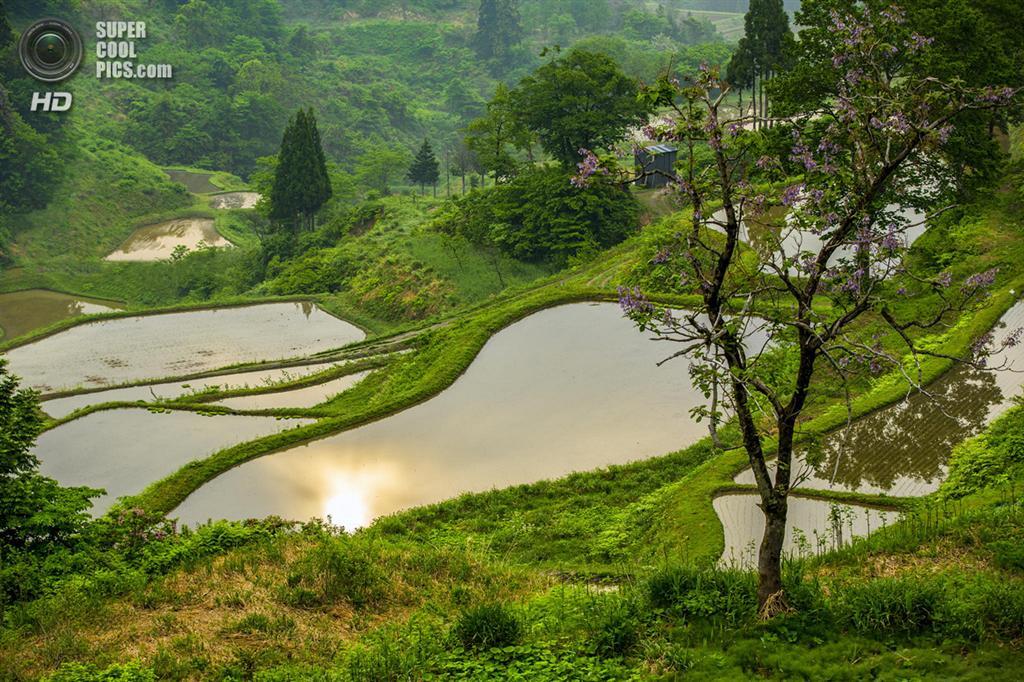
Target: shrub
column 256, row 623
column 898, row 605
column 1008, row 555
column 616, row 628
column 486, row 626
column 705, row 592
column 78, row 672
column 337, row 568
column 540, row 215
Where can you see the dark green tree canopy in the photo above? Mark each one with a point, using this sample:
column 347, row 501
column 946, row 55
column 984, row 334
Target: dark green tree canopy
column 36, row 514
column 492, row 136
column 581, row 100
column 975, row 42
column 424, row 169
column 498, row 29
column 301, row 183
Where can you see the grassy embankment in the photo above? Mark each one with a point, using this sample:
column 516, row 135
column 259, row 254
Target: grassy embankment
column 938, row 594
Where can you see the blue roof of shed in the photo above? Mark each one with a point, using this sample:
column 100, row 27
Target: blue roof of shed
column 662, row 149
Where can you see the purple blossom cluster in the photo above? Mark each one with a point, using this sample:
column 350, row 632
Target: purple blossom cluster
column 980, row 347
column 918, row 42
column 801, row 153
column 662, row 256
column 587, row 168
column 998, row 96
column 634, row 303
column 791, row 195
column 980, row 280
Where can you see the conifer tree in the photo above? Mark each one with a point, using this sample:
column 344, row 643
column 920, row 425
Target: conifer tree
column 301, row 184
column 498, row 29
column 425, row 169
column 762, row 51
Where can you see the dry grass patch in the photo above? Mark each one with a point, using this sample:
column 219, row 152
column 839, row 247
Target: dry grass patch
column 304, row 598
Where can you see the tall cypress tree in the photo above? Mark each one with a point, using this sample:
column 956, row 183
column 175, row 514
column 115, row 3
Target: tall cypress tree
column 498, row 29
column 301, row 184
column 765, row 46
column 425, row 169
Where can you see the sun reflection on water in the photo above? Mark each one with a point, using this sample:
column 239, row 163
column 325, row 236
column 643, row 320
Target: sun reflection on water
column 354, row 497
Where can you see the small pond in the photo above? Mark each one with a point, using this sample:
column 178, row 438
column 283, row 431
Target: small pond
column 158, row 242
column 125, row 450
column 130, row 349
column 814, row 526
column 23, row 311
column 197, row 183
column 565, row 389
column 234, row 200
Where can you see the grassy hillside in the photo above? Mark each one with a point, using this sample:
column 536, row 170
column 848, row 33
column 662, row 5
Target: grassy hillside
column 940, row 593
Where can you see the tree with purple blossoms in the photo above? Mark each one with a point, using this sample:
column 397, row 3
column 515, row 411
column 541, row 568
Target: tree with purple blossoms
column 877, row 142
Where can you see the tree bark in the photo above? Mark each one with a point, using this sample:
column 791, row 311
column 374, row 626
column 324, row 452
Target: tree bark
column 770, row 598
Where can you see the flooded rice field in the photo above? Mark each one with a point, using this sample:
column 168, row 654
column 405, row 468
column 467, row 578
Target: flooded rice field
column 566, row 389
column 23, row 311
column 773, row 238
column 902, row 449
column 58, row 408
column 158, row 242
column 815, row 526
column 197, row 183
column 125, row 450
column 308, row 396
column 234, row 200
column 131, row 349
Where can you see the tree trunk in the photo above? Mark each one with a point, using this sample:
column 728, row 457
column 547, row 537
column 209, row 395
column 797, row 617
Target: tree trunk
column 770, row 600
column 753, row 100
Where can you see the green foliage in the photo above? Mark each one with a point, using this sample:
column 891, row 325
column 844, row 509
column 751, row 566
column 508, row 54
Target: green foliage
column 541, row 215
column 700, row 592
column 40, row 521
column 490, row 136
column 487, row 626
column 898, row 605
column 498, row 30
column 992, row 458
column 424, row 168
column 301, row 184
column 380, row 165
column 580, row 101
column 336, row 569
column 78, row 672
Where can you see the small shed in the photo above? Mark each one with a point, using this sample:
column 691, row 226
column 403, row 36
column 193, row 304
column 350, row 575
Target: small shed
column 655, row 165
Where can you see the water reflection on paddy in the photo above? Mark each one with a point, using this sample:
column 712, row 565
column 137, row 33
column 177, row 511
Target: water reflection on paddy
column 814, row 526
column 197, row 183
column 228, row 200
column 566, row 389
column 307, row 396
column 902, row 449
column 23, row 311
column 125, row 450
column 130, row 349
column 59, row 408
column 158, row 242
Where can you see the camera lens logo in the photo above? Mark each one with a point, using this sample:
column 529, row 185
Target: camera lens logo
column 50, row 50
